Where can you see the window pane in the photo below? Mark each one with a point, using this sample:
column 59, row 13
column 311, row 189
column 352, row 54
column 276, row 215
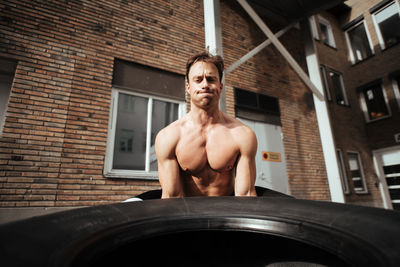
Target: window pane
column 342, row 172
column 388, row 21
column 353, row 162
column 338, row 88
column 359, row 43
column 162, row 115
column 356, row 173
column 375, row 101
column 246, row 98
column 325, row 83
column 324, row 33
column 130, row 133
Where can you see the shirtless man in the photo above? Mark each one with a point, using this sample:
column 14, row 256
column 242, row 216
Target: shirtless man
column 206, row 153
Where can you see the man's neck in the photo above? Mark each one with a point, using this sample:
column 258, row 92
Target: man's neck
column 205, row 117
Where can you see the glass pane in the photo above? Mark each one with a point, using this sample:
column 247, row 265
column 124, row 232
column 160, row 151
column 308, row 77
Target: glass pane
column 246, row 98
column 325, row 84
column 324, row 33
column 130, row 133
column 353, row 162
column 389, row 24
column 376, row 103
column 163, row 114
column 356, row 174
column 337, row 87
column 342, row 171
column 359, row 42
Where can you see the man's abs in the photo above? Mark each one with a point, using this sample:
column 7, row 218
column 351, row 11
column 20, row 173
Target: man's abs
column 208, row 183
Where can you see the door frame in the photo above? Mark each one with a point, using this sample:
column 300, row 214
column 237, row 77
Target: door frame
column 377, row 158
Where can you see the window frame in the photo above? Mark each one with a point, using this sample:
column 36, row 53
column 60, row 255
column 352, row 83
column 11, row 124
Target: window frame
column 8, row 70
column 396, row 90
column 350, row 47
column 331, row 38
column 364, row 107
column 362, row 178
column 376, row 26
column 342, row 172
column 329, row 83
column 109, row 158
column 325, row 83
column 313, row 26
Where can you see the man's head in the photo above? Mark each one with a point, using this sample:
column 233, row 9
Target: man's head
column 206, row 57
column 203, row 79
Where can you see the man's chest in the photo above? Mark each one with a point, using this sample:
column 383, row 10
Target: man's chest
column 216, row 150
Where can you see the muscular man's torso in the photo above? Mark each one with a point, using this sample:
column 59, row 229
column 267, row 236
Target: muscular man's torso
column 207, row 157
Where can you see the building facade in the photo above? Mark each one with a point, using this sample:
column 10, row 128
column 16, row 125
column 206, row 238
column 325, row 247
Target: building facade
column 86, row 86
column 358, row 53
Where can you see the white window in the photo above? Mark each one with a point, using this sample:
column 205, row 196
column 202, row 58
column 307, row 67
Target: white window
column 342, row 172
column 326, row 32
column 7, row 70
column 374, row 102
column 396, row 89
column 357, row 173
column 325, row 83
column 359, row 42
column 144, row 100
column 333, row 83
column 313, row 26
column 387, row 24
column 134, row 123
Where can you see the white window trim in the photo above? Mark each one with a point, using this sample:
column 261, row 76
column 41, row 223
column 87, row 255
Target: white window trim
column 351, row 54
column 314, row 29
column 396, row 90
column 377, row 29
column 330, row 31
column 328, row 95
column 365, row 191
column 342, row 172
column 364, row 107
column 131, row 174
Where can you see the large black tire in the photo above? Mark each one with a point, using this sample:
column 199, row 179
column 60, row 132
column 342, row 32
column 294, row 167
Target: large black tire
column 211, row 231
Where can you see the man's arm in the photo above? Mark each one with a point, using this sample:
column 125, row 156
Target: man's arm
column 246, row 165
column 168, row 167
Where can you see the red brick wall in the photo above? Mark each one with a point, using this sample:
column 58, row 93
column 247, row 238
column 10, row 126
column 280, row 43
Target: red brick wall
column 53, row 145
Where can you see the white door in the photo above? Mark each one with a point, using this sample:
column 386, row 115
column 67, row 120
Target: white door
column 270, row 158
column 387, row 164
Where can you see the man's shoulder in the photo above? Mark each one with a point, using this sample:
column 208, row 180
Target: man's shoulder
column 242, row 133
column 239, row 127
column 167, row 139
column 171, row 131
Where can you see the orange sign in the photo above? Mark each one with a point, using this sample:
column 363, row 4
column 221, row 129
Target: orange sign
column 271, row 156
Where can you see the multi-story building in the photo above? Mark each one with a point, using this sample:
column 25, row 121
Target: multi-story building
column 359, row 56
column 86, row 86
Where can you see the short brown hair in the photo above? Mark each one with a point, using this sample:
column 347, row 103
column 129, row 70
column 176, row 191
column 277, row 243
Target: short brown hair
column 206, row 57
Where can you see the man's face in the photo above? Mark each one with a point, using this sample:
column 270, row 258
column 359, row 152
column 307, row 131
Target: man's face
column 203, row 85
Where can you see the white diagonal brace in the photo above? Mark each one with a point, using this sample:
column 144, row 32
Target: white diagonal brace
column 255, row 50
column 292, row 62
